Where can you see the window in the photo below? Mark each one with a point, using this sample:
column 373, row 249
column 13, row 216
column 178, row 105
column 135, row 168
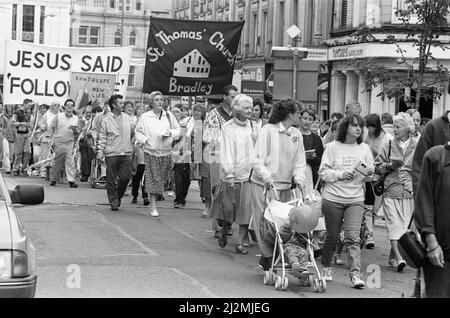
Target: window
column 94, row 35
column 138, row 5
column 120, row 5
column 281, row 24
column 254, row 34
column 131, row 76
column 82, row 34
column 89, row 35
column 82, row 2
column 117, row 38
column 14, row 22
column 41, row 26
column 99, row 3
column 265, row 31
column 132, row 38
column 344, row 14
column 128, row 5
column 112, row 4
column 28, row 24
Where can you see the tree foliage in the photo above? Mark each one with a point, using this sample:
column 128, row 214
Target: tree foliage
column 423, row 22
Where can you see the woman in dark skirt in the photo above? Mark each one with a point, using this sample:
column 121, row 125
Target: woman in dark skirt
column 156, row 130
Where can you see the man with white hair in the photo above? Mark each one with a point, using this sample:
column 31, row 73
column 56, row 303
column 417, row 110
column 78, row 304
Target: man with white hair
column 231, row 201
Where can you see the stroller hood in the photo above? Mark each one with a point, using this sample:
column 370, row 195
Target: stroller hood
column 303, row 219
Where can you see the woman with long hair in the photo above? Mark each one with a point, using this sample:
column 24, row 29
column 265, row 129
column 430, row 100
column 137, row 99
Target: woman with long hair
column 156, row 130
column 279, row 156
column 343, row 194
column 139, row 161
column 258, row 112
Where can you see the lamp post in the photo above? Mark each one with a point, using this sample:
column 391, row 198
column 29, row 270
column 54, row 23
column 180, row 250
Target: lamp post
column 288, row 52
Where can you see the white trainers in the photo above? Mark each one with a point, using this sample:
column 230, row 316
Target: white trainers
column 154, row 213
column 326, row 273
column 357, row 282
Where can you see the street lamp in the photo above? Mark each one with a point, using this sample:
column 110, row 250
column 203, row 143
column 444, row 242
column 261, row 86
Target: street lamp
column 294, row 52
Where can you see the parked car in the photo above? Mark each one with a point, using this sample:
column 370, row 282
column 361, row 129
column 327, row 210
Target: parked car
column 17, row 254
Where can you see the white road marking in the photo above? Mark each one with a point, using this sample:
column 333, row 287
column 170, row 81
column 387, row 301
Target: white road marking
column 195, row 282
column 148, row 251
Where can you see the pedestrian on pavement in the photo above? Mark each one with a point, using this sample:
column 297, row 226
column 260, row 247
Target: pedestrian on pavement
column 313, row 148
column 156, row 130
column 214, row 122
column 376, row 139
column 64, row 132
column 431, row 215
column 279, row 156
column 95, row 134
column 46, row 140
column 22, row 150
column 393, row 161
column 329, row 137
column 87, row 153
column 194, row 133
column 231, row 199
column 181, row 157
column 139, row 161
column 258, row 112
column 115, row 147
column 343, row 194
column 128, row 108
column 8, row 137
column 415, row 115
column 437, row 132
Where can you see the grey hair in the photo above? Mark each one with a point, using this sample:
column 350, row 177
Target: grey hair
column 236, row 104
column 152, row 96
column 352, row 104
column 407, row 119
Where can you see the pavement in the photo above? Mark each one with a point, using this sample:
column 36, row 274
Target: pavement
column 86, row 250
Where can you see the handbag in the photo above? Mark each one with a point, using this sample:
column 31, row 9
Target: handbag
column 378, row 186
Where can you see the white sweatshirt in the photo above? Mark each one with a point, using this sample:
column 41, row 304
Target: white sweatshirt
column 337, row 158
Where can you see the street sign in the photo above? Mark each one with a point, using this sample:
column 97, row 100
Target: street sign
column 293, row 31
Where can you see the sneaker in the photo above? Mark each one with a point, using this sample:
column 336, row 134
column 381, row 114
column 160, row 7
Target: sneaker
column 146, row 202
column 338, row 259
column 176, row 205
column 114, row 208
column 297, row 267
column 134, row 201
column 205, row 213
column 393, row 263
column 357, row 282
column 154, row 213
column 401, row 264
column 326, row 273
column 170, row 193
column 370, row 243
column 73, row 185
column 53, row 183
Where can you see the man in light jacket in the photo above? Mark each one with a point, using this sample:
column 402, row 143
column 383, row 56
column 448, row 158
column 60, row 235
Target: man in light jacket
column 114, row 144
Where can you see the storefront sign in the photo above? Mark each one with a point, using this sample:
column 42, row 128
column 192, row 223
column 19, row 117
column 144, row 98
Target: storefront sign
column 347, row 52
column 253, row 88
column 43, row 73
column 317, row 54
column 189, row 58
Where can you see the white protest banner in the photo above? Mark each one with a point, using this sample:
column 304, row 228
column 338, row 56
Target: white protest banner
column 85, row 87
column 43, row 73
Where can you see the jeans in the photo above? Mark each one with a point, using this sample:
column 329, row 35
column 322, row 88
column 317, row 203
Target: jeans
column 350, row 215
column 87, row 155
column 22, row 151
column 118, row 173
column 182, row 173
column 137, row 178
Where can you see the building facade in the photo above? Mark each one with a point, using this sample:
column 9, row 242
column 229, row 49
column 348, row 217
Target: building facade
column 347, row 83
column 108, row 23
column 266, row 23
column 41, row 22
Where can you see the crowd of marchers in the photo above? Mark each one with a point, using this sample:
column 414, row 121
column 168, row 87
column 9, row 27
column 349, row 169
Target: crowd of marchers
column 240, row 148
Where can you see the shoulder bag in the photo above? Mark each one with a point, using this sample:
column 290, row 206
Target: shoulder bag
column 378, row 186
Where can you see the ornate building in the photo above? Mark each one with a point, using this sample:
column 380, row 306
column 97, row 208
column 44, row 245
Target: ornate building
column 346, row 83
column 103, row 23
column 266, row 22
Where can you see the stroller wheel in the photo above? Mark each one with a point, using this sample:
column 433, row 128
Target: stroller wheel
column 278, row 283
column 305, row 281
column 316, row 285
column 285, row 284
column 323, row 285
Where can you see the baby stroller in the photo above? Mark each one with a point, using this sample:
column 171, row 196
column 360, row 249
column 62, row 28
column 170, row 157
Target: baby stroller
column 275, row 215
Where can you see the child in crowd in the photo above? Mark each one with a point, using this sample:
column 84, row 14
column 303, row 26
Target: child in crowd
column 295, row 248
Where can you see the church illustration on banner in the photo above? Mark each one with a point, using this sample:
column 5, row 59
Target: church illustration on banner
column 193, row 65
